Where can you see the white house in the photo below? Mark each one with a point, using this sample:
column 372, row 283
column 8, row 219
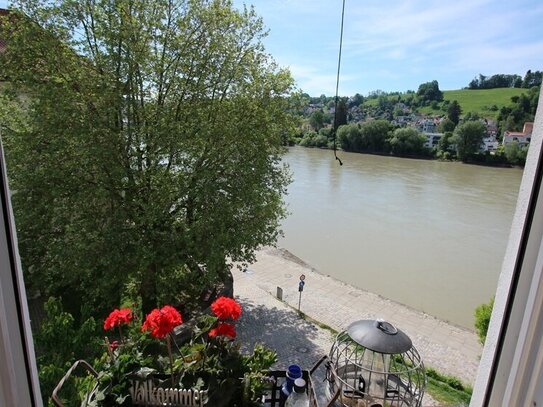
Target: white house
column 489, row 144
column 432, row 139
column 523, row 138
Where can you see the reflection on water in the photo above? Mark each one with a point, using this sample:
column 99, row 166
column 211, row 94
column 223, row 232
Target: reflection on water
column 428, row 234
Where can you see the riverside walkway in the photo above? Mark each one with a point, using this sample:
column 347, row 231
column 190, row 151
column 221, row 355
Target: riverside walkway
column 448, row 348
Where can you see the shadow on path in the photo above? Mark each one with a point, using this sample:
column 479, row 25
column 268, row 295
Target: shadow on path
column 281, row 328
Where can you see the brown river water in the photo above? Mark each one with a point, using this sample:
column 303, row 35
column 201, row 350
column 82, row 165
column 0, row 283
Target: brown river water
column 427, row 234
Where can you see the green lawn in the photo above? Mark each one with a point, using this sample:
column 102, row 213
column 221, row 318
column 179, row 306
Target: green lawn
column 482, row 100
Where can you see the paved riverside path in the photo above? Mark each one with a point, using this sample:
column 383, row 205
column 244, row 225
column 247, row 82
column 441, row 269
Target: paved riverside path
column 448, row 348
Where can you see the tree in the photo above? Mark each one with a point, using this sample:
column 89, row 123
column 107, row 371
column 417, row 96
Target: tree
column 454, row 111
column 446, row 125
column 430, row 91
column 316, row 120
column 373, row 135
column 152, row 153
column 349, row 137
column 444, row 143
column 515, row 154
column 532, row 79
column 340, row 115
column 407, row 141
column 468, row 138
column 482, row 319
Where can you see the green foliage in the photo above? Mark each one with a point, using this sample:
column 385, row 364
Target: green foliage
column 515, row 154
column 407, row 141
column 468, row 137
column 453, row 115
column 448, row 390
column 429, row 91
column 152, row 145
column 313, row 139
column 481, row 101
column 370, row 136
column 340, row 116
column 496, row 81
column 446, row 125
column 203, row 362
column 482, row 319
column 522, row 109
column 59, row 343
column 532, row 79
column 316, row 120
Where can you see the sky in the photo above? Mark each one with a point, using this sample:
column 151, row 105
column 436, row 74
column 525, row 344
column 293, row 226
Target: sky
column 396, row 45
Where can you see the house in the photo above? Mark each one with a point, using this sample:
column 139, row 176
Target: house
column 523, row 138
column 426, row 126
column 489, row 144
column 432, row 139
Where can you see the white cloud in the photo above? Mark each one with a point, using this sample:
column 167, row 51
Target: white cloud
column 315, row 82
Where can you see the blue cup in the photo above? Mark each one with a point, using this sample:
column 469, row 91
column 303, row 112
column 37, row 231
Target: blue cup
column 293, row 372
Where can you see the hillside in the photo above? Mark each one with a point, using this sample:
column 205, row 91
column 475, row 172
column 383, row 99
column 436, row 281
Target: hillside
column 484, row 102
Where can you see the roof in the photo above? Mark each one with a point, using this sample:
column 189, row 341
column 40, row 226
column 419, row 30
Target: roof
column 515, row 134
column 528, row 128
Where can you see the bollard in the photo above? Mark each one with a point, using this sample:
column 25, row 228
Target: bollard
column 280, row 293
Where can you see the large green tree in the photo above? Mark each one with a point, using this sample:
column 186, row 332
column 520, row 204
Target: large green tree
column 453, row 112
column 468, row 138
column 152, row 151
column 316, row 120
column 407, row 140
column 430, row 91
column 368, row 137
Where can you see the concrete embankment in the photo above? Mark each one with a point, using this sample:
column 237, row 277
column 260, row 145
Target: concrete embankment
column 448, row 348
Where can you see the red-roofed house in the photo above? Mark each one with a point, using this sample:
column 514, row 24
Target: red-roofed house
column 522, row 138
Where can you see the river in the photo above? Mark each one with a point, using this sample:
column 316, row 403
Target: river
column 428, row 234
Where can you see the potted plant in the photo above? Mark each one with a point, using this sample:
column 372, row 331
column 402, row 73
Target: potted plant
column 144, row 365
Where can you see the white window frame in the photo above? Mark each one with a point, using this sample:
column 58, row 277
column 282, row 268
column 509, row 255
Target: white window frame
column 511, row 368
column 19, row 384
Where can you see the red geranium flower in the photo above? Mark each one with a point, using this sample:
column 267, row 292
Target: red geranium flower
column 223, row 329
column 162, row 321
column 226, row 308
column 118, row 317
column 113, row 345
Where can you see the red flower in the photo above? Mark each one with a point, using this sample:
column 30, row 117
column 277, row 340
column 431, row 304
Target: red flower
column 113, row 345
column 118, row 317
column 162, row 321
column 226, row 308
column 223, row 329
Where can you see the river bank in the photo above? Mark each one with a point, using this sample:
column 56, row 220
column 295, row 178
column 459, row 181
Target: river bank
column 429, row 234
column 450, row 349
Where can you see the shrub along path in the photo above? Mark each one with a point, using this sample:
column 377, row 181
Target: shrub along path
column 448, row 348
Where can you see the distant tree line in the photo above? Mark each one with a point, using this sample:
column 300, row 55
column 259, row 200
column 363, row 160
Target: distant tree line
column 506, row 81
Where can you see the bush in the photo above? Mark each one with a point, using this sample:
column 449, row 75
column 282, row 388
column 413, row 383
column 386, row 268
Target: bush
column 482, row 319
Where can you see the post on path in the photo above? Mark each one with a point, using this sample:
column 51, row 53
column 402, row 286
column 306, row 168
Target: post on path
column 300, row 289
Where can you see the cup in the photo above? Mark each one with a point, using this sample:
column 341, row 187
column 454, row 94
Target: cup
column 293, row 372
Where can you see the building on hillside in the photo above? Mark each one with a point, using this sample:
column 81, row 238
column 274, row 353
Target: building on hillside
column 489, row 144
column 432, row 139
column 523, row 138
column 426, row 126
column 491, row 128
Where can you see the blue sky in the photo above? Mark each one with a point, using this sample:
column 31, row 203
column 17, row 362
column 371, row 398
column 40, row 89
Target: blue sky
column 397, row 45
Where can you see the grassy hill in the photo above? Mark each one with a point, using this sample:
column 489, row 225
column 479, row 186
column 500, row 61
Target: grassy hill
column 485, row 102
